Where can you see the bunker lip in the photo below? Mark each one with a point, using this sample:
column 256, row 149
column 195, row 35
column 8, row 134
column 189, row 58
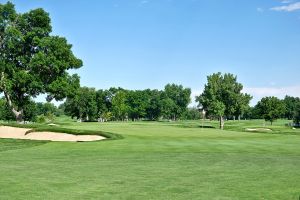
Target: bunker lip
column 20, row 133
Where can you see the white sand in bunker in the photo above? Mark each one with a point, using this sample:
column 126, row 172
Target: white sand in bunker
column 19, row 133
column 258, row 129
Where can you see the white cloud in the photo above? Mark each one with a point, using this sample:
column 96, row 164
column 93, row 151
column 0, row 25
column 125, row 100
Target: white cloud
column 280, row 92
column 258, row 93
column 288, row 8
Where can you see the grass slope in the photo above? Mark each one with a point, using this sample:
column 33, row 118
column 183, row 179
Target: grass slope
column 157, row 160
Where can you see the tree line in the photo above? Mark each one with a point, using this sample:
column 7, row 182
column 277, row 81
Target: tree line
column 222, row 98
column 273, row 108
column 119, row 104
column 34, row 62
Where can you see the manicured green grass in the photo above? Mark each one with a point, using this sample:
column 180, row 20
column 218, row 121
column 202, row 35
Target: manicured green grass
column 157, row 160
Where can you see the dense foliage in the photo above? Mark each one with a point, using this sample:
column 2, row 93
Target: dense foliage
column 120, row 104
column 223, row 97
column 291, row 107
column 32, row 111
column 32, row 61
column 296, row 115
column 270, row 108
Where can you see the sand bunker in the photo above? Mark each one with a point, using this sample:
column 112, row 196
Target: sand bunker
column 19, row 133
column 258, row 129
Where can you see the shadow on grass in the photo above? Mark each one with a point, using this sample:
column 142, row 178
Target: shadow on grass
column 13, row 144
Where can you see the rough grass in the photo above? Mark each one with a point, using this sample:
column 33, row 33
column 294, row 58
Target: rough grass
column 157, row 160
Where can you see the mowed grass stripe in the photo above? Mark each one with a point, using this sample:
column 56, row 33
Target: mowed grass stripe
column 156, row 161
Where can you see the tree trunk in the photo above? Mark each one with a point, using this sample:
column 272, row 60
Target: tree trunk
column 18, row 114
column 221, row 123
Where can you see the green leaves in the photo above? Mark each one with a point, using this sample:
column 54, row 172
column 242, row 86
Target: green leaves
column 32, row 61
column 175, row 100
column 296, row 115
column 222, row 96
column 217, row 107
column 270, row 108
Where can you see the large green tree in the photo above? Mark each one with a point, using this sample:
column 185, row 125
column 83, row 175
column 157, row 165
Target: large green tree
column 222, row 96
column 270, row 108
column 32, row 61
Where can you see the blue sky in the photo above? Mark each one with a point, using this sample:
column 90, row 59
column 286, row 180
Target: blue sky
column 138, row 44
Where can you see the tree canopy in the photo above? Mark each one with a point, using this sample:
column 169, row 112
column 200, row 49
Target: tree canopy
column 222, row 96
column 291, row 104
column 296, row 116
column 270, row 108
column 32, row 61
column 122, row 104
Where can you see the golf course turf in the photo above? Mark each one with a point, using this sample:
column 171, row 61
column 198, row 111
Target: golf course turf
column 156, row 160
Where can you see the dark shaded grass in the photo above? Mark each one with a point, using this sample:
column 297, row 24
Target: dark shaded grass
column 12, row 144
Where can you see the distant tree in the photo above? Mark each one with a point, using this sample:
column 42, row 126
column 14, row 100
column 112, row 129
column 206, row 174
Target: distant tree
column 290, row 106
column 296, row 116
column 61, row 108
column 191, row 114
column 247, row 114
column 46, row 109
column 181, row 98
column 137, row 104
column 119, row 106
column 222, row 96
column 83, row 105
column 154, row 104
column 32, row 61
column 270, row 108
column 103, row 103
column 169, row 108
column 241, row 106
